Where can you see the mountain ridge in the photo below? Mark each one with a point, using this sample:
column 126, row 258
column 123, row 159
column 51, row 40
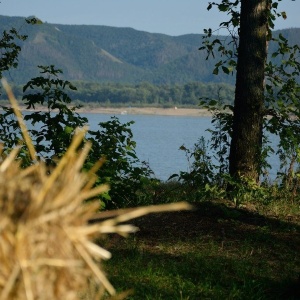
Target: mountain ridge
column 101, row 53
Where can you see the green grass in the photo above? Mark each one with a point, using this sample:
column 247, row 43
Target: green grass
column 207, row 274
column 188, row 276
column 215, row 252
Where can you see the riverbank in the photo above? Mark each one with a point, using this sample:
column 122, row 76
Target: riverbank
column 193, row 112
column 173, row 111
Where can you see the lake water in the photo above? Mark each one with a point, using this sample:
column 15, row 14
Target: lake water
column 158, row 139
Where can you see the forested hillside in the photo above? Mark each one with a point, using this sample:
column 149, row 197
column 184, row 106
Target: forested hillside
column 110, row 54
column 144, row 94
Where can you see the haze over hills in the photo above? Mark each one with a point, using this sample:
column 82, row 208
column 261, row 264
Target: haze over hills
column 111, row 54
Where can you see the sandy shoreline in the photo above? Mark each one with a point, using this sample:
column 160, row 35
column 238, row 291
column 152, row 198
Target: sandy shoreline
column 192, row 112
column 148, row 111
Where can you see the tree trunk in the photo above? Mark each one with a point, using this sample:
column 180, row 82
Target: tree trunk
column 245, row 149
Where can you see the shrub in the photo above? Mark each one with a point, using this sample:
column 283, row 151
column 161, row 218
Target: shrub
column 53, row 127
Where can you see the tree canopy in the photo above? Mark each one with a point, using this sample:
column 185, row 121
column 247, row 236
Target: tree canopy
column 267, row 92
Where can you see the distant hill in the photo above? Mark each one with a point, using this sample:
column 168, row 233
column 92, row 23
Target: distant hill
column 111, row 54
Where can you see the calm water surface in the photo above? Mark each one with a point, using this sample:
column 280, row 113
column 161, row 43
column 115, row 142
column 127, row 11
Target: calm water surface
column 158, row 139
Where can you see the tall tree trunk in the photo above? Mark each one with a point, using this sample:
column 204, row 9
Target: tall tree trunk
column 249, row 94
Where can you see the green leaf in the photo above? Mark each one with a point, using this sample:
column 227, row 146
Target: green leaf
column 106, row 196
column 213, row 103
column 68, row 130
column 72, row 87
column 225, row 70
column 283, row 14
column 173, row 176
column 216, row 71
column 33, row 21
column 39, row 139
column 223, row 7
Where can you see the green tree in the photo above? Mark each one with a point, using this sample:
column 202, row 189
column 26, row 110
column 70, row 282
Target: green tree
column 248, row 109
column 9, row 49
column 262, row 87
column 53, row 127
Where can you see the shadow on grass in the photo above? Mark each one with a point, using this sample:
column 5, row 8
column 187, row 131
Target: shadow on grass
column 221, row 222
column 196, row 276
column 212, row 252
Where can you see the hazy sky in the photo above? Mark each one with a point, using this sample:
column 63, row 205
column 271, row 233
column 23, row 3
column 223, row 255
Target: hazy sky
column 173, row 17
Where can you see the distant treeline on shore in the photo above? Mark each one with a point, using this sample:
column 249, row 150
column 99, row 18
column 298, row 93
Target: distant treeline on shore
column 142, row 94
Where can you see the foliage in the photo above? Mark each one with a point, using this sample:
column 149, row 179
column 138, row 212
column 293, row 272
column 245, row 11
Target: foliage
column 200, row 165
column 52, row 131
column 281, row 93
column 144, row 94
column 108, row 54
column 120, row 55
column 123, row 170
column 283, row 103
column 208, row 177
column 9, row 49
column 209, row 161
column 221, row 133
column 52, row 121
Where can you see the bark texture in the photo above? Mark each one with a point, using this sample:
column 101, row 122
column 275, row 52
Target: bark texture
column 249, row 95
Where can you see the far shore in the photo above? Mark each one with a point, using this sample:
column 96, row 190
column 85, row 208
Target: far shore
column 174, row 111
column 193, row 112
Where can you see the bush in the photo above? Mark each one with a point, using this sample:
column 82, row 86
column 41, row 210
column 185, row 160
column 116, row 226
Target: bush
column 52, row 129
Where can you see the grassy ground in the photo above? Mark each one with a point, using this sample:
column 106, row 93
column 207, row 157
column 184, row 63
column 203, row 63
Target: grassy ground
column 213, row 252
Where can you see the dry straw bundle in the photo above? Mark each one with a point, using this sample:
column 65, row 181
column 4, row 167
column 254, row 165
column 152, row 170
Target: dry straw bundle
column 46, row 248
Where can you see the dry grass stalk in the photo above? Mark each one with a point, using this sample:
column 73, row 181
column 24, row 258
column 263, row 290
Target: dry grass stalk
column 46, row 241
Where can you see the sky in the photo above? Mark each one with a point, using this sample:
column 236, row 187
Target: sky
column 172, row 17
